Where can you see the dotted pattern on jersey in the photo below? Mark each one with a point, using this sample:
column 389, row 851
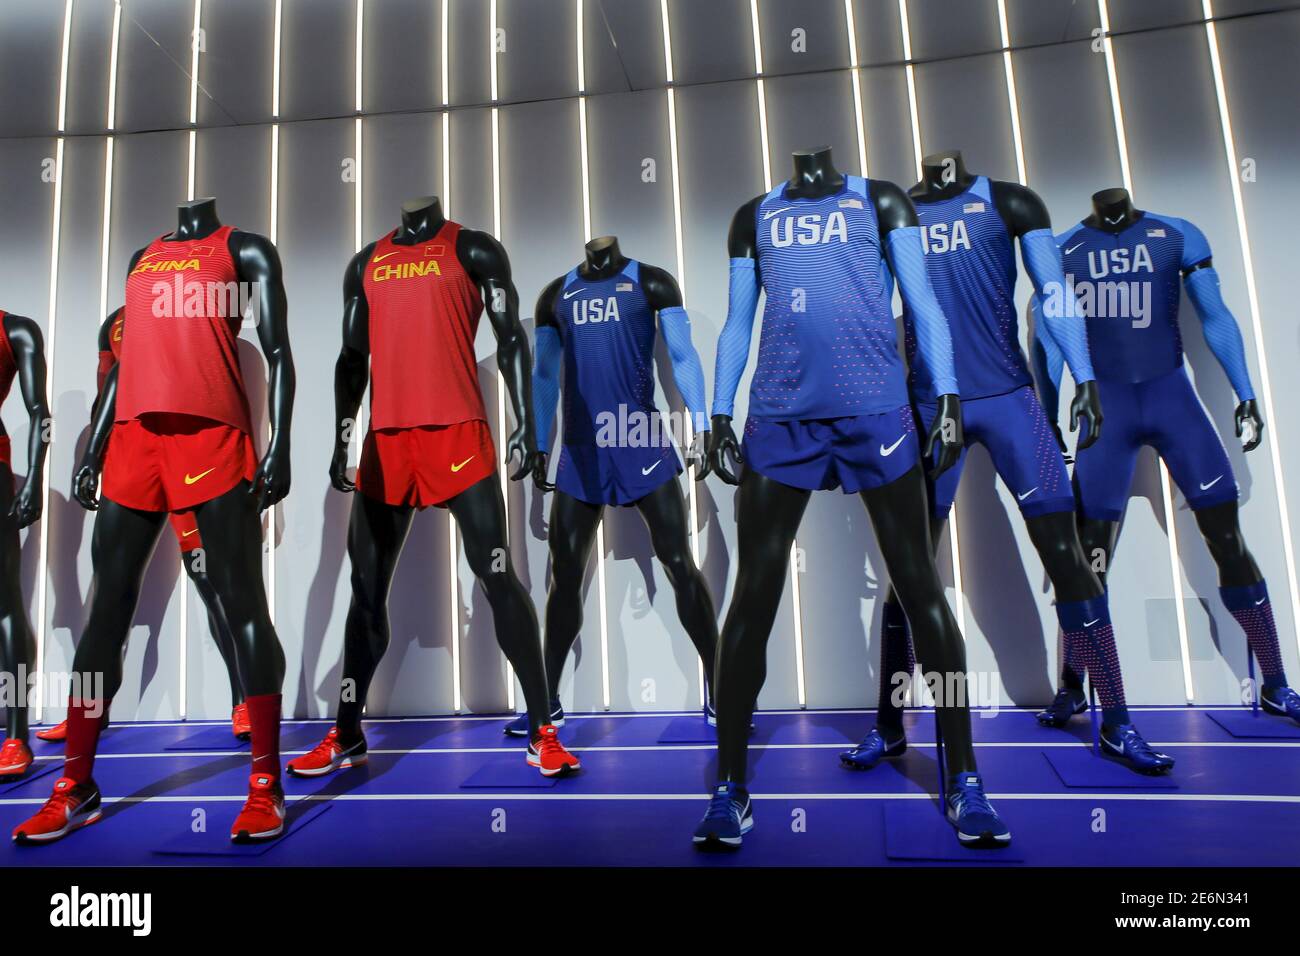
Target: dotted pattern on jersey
column 972, row 266
column 829, row 345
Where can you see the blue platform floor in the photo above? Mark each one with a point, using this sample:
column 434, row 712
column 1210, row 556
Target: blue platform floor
column 1232, row 800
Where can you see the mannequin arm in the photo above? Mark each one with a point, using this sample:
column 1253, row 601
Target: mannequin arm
column 933, row 338
column 546, row 381
column 29, row 352
column 688, row 373
column 1069, row 332
column 1222, row 334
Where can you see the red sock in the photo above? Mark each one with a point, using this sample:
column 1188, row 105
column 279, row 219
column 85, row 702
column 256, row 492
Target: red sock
column 264, row 716
column 85, row 719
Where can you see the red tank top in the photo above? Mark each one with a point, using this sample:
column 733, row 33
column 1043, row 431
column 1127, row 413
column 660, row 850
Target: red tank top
column 424, row 313
column 179, row 351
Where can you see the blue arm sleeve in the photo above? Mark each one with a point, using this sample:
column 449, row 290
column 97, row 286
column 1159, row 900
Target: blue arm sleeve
column 547, row 354
column 675, row 326
column 733, row 341
column 933, row 339
column 1069, row 332
column 1221, row 331
column 1049, row 363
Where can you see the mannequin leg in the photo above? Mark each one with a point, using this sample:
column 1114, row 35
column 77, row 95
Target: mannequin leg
column 195, row 562
column 897, row 655
column 665, row 517
column 1098, row 538
column 17, row 644
column 570, row 537
column 767, row 517
column 376, row 535
column 481, row 515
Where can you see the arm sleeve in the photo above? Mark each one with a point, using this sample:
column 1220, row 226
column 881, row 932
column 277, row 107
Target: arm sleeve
column 106, row 363
column 547, row 353
column 1049, row 363
column 933, row 339
column 1069, row 333
column 1221, row 331
column 675, row 326
column 733, row 341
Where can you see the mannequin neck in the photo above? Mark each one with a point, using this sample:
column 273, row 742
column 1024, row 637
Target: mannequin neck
column 1113, row 210
column 814, row 175
column 603, row 258
column 196, row 219
column 421, row 220
column 943, row 174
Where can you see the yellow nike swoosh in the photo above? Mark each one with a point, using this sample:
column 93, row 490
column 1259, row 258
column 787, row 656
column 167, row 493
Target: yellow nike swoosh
column 456, row 468
column 186, row 534
column 383, row 257
column 190, row 481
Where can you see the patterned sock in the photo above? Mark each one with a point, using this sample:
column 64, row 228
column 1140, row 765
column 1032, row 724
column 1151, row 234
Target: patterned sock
column 85, row 720
column 1250, row 606
column 1087, row 626
column 896, row 657
column 1071, row 666
column 264, row 717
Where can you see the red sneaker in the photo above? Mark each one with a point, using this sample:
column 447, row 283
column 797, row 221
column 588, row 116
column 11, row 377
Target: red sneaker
column 58, row 732
column 239, row 723
column 15, row 758
column 263, row 815
column 328, row 756
column 548, row 755
column 72, row 806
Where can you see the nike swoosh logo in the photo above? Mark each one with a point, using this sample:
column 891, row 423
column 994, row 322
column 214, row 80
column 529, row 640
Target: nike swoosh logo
column 776, row 212
column 186, row 534
column 570, row 295
column 190, row 481
column 456, row 468
column 886, row 452
column 1260, row 601
column 1072, row 248
column 1027, row 493
column 646, row 471
column 383, row 257
column 1211, row 484
column 1092, row 622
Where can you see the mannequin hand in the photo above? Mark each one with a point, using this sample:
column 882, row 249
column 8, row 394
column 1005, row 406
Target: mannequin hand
column 946, row 431
column 272, row 478
column 1060, row 443
column 697, row 456
column 85, row 484
column 522, row 443
column 722, row 442
column 26, row 507
column 1249, row 425
column 1086, row 409
column 339, row 469
column 536, row 464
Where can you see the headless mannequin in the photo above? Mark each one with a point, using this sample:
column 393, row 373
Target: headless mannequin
column 377, row 531
column 124, row 538
column 574, row 522
column 768, row 515
column 20, row 508
column 1113, row 211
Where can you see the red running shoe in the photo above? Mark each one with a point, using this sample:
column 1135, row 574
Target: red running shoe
column 15, row 758
column 548, row 755
column 263, row 815
column 239, row 723
column 58, row 732
column 328, row 756
column 71, row 807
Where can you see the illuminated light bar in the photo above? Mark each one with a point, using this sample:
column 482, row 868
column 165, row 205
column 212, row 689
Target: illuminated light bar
column 1252, row 296
column 856, row 79
column 1013, row 100
column 911, row 84
column 275, row 238
column 1166, row 490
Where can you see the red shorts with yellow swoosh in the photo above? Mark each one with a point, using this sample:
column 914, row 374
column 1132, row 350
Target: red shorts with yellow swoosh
column 425, row 466
column 186, row 528
column 166, row 462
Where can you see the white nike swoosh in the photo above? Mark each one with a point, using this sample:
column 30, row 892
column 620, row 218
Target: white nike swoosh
column 1027, row 493
column 570, row 295
column 1071, row 249
column 776, row 212
column 886, row 452
column 646, row 471
column 1211, row 484
column 1091, row 623
column 1260, row 601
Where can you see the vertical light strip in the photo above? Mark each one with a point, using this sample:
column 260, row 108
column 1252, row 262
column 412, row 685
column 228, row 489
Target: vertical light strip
column 1013, row 100
column 275, row 238
column 1166, row 490
column 691, row 493
column 954, row 537
column 194, row 102
column 1252, row 296
column 57, row 215
column 856, row 79
column 795, row 599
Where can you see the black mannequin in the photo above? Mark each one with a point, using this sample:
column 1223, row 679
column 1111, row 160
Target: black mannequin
column 377, row 531
column 574, row 522
column 124, row 538
column 768, row 513
column 20, row 507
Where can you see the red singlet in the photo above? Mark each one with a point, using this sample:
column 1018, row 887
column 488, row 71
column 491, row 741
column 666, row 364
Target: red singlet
column 424, row 313
column 178, row 351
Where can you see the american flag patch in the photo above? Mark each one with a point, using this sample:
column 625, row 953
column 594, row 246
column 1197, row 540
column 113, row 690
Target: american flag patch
column 1156, row 233
column 623, row 287
column 850, row 203
column 973, row 207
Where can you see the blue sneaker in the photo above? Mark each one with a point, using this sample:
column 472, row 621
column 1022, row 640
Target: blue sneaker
column 971, row 814
column 1067, row 703
column 1124, row 744
column 1284, row 703
column 730, row 816
column 519, row 726
column 872, row 750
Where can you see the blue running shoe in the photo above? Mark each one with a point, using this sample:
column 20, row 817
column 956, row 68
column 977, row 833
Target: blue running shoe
column 1124, row 744
column 519, row 726
column 730, row 816
column 1284, row 703
column 873, row 749
column 1067, row 703
column 971, row 814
